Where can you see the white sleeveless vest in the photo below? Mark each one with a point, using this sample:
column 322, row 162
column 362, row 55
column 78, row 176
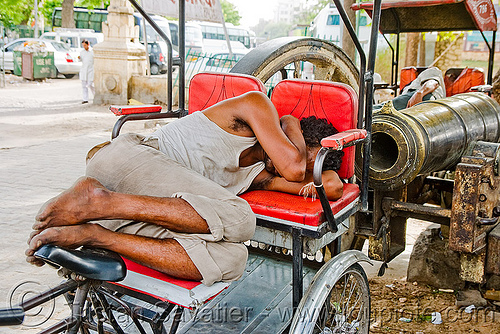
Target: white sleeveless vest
column 201, row 145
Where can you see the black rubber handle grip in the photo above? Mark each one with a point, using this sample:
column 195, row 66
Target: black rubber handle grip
column 11, row 317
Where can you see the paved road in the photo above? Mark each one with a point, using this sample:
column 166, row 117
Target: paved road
column 45, row 133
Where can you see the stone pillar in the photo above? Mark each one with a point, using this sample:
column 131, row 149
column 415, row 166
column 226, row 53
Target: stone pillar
column 119, row 57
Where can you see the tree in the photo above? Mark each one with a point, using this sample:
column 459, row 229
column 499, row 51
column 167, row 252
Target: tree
column 14, row 12
column 48, row 8
column 448, row 50
column 347, row 42
column 67, row 14
column 412, row 43
column 231, row 14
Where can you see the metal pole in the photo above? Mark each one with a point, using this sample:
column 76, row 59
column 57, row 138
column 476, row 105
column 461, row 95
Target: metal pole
column 182, row 55
column 160, row 32
column 227, row 38
column 2, row 70
column 377, row 5
column 36, row 19
column 362, row 60
column 491, row 57
column 144, row 31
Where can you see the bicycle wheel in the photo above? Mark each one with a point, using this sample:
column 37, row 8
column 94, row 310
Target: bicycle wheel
column 347, row 307
column 343, row 309
column 285, row 57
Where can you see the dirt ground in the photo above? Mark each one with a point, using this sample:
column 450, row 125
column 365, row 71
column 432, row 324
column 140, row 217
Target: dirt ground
column 36, row 113
column 393, row 300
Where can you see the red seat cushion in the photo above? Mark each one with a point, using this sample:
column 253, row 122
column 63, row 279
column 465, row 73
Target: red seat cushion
column 161, row 286
column 206, row 89
column 295, row 208
column 334, row 101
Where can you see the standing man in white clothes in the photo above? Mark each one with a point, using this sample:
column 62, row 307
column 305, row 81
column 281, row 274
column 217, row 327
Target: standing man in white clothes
column 87, row 71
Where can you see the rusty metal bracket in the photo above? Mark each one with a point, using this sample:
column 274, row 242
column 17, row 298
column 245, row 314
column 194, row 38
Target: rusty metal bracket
column 418, row 211
column 476, row 198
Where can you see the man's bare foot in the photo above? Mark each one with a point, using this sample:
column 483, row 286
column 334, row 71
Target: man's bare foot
column 63, row 236
column 79, row 204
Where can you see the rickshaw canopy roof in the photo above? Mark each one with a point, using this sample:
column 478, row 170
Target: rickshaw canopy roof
column 434, row 15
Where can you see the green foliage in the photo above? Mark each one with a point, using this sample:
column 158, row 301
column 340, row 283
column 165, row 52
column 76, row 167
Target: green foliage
column 48, row 8
column 14, row 12
column 91, row 4
column 231, row 14
column 448, row 36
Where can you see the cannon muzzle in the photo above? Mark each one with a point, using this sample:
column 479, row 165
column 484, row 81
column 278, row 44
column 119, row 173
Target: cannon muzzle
column 430, row 136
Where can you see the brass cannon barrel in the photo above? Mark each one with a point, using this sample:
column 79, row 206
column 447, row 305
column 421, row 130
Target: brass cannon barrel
column 430, row 136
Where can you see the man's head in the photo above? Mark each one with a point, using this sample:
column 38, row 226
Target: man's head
column 85, row 44
column 314, row 129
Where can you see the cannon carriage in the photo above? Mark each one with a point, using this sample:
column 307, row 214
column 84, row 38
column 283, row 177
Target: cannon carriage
column 396, row 155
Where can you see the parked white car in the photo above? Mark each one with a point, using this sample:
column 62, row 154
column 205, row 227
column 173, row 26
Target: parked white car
column 65, row 60
column 74, row 37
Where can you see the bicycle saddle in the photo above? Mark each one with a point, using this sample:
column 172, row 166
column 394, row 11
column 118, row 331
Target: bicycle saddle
column 95, row 264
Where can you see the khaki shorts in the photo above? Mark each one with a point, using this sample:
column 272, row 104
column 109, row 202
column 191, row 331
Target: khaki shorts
column 130, row 165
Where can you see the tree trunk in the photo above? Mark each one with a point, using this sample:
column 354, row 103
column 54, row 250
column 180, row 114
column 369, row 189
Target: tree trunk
column 347, row 43
column 421, row 51
column 412, row 41
column 67, row 19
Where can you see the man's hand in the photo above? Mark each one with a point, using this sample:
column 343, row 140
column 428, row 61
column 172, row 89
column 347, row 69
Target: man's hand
column 428, row 87
column 331, row 182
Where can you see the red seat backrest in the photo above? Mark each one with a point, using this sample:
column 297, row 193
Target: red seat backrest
column 208, row 88
column 408, row 74
column 336, row 102
column 466, row 79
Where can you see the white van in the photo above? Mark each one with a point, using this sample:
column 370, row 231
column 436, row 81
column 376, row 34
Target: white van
column 74, row 37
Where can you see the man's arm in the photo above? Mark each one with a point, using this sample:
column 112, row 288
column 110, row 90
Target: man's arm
column 428, row 87
column 331, row 182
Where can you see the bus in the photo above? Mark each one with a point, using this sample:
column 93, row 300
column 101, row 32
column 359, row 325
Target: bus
column 93, row 19
column 84, row 18
column 215, row 31
column 193, row 37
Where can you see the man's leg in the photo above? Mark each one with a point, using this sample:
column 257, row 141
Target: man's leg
column 85, row 92
column 88, row 200
column 92, row 87
column 134, row 169
column 127, row 167
column 165, row 255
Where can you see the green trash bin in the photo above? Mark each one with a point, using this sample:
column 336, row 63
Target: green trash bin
column 18, row 61
column 43, row 65
column 38, row 65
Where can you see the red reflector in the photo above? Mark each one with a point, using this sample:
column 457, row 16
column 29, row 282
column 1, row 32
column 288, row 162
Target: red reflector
column 161, row 57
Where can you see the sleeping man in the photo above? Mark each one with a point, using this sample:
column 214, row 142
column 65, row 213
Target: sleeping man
column 169, row 201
